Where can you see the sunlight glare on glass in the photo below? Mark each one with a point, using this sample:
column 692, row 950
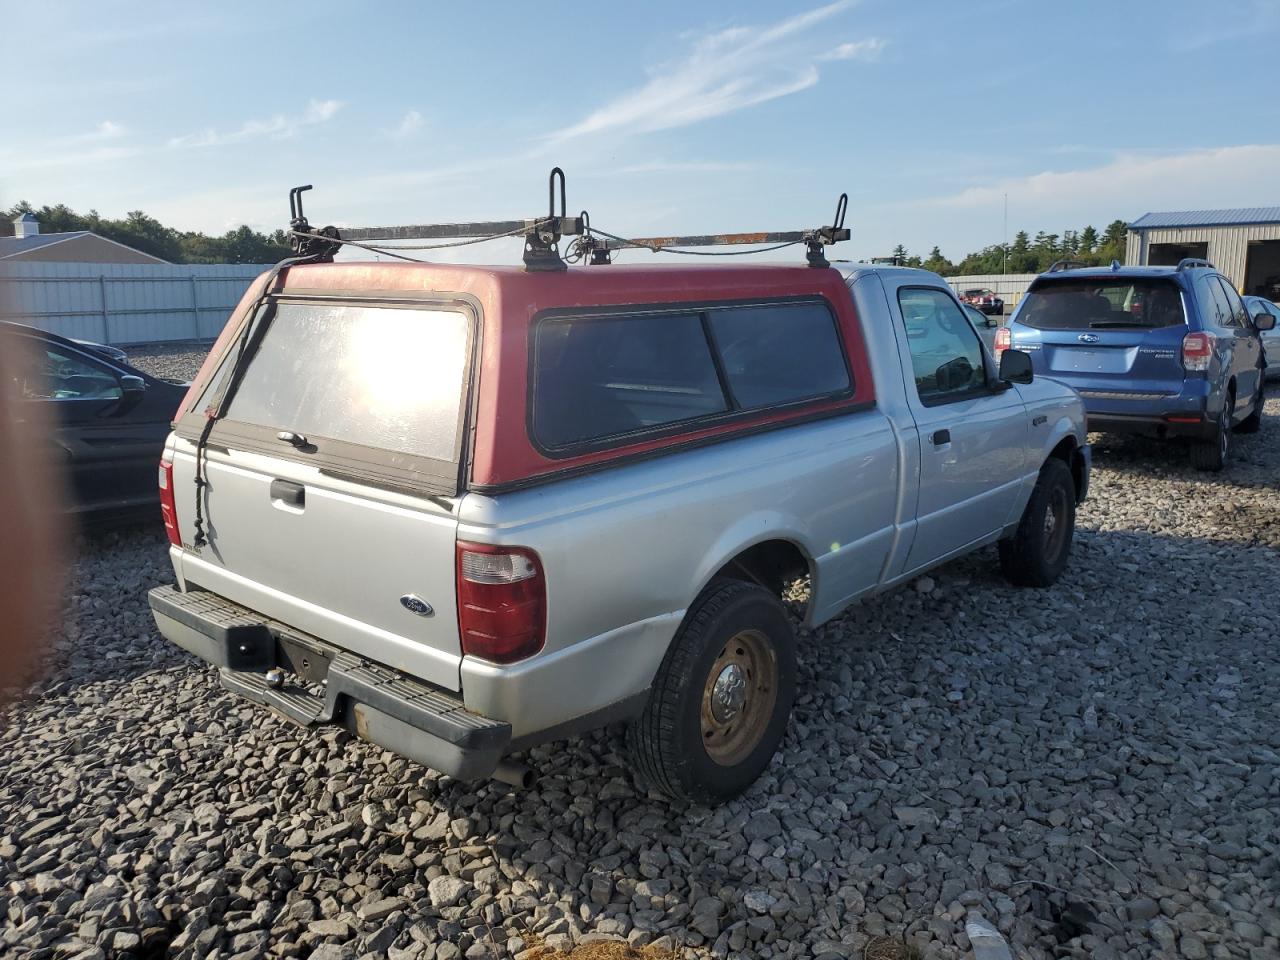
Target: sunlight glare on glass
column 405, row 360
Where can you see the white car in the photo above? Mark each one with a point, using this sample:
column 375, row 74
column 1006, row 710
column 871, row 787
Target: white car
column 1259, row 307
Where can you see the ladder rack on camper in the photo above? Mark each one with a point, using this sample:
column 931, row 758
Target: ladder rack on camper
column 542, row 236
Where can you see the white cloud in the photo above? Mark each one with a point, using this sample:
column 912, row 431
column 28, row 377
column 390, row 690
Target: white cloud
column 1249, row 19
column 409, row 124
column 868, row 49
column 107, row 130
column 278, row 127
column 1133, row 183
column 318, row 111
column 681, row 166
column 726, row 71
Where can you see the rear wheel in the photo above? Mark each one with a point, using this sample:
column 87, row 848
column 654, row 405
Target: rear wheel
column 1211, row 455
column 719, row 705
column 1037, row 554
column 1253, row 422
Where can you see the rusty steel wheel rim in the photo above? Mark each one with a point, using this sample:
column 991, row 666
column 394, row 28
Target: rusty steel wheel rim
column 738, row 697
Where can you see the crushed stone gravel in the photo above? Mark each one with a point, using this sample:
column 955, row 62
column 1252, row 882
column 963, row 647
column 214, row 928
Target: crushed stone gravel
column 1094, row 769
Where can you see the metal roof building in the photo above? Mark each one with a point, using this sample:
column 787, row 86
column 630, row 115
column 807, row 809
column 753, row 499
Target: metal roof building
column 78, row 246
column 1244, row 244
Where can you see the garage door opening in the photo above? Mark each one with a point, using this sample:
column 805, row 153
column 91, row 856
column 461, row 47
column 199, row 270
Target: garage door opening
column 1262, row 269
column 1170, row 254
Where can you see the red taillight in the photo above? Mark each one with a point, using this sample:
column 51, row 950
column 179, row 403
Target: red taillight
column 1003, row 341
column 168, row 509
column 502, row 598
column 1197, row 350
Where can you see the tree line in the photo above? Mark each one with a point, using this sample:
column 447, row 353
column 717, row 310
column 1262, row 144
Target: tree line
column 1026, row 255
column 146, row 233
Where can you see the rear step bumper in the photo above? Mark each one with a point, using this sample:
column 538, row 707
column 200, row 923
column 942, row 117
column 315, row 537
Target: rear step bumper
column 378, row 704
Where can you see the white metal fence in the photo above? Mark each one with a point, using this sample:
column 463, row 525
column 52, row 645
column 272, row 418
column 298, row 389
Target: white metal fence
column 124, row 303
column 1009, row 287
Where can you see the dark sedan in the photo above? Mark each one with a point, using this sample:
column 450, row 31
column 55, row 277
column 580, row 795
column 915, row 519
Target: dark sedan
column 109, row 419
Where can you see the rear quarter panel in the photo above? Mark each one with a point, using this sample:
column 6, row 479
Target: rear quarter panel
column 627, row 549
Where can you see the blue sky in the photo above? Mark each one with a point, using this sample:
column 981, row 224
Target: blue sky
column 667, row 117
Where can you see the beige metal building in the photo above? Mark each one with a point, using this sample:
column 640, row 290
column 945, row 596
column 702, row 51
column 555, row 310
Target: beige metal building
column 29, row 245
column 1244, row 244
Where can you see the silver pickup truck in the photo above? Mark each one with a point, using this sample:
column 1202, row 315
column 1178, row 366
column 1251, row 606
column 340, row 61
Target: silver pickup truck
column 462, row 510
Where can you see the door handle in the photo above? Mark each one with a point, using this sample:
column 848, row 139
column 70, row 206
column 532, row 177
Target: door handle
column 940, row 437
column 286, row 491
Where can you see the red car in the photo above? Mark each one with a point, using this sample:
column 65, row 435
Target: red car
column 984, row 299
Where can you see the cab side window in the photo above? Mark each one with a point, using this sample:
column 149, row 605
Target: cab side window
column 946, row 354
column 65, row 375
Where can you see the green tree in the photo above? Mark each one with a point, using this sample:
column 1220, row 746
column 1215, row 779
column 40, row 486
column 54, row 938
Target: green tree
column 1113, row 242
column 938, row 263
column 1088, row 240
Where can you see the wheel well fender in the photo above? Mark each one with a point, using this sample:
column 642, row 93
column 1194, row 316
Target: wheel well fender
column 772, row 559
column 1067, row 450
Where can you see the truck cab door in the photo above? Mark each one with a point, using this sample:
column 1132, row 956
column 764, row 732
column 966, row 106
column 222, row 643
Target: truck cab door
column 972, row 430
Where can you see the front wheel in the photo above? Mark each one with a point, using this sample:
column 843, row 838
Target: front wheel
column 1037, row 553
column 719, row 704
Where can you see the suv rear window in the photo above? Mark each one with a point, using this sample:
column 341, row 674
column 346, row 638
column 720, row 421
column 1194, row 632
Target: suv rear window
column 603, row 378
column 1101, row 302
column 384, row 377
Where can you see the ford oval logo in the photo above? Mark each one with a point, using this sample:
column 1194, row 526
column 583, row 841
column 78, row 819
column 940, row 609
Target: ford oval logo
column 415, row 604
column 1088, row 338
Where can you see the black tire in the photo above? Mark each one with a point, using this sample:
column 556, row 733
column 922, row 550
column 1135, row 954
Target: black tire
column 668, row 743
column 1253, row 422
column 1037, row 553
column 1211, row 455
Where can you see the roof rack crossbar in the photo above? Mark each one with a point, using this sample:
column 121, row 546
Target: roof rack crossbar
column 815, row 239
column 543, row 234
column 709, row 240
column 1191, row 263
column 568, row 226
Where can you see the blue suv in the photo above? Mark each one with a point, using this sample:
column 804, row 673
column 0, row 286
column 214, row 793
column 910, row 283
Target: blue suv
column 1161, row 351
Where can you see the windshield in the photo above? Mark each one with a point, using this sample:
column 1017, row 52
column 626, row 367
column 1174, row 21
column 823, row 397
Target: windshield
column 1099, row 302
column 384, row 377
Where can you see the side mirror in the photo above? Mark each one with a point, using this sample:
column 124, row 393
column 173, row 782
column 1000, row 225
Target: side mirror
column 131, row 390
column 1015, row 366
column 992, row 322
column 1264, row 321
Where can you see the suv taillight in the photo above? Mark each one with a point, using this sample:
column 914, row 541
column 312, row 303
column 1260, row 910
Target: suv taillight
column 1197, row 350
column 169, row 509
column 502, row 599
column 1002, row 342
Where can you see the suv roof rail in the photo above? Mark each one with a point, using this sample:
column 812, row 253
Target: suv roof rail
column 542, row 236
column 1059, row 265
column 1191, row 263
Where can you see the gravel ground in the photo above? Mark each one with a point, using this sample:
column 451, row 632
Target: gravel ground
column 174, row 361
column 1094, row 768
